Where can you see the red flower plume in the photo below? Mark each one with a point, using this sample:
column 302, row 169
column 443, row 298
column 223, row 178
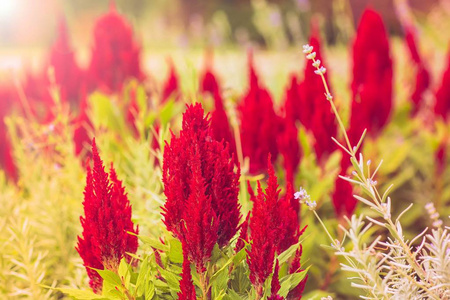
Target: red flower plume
column 306, row 102
column 275, row 286
column 187, row 289
column 372, row 77
column 68, row 75
column 289, row 148
column 201, row 187
column 107, row 219
column 273, row 228
column 343, row 201
column 442, row 105
column 422, row 74
column 171, row 86
column 220, row 126
column 115, row 54
column 259, row 124
column 7, row 97
column 295, row 267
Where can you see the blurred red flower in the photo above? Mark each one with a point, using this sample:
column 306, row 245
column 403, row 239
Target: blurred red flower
column 422, row 75
column 115, row 54
column 68, row 75
column 171, row 86
column 259, row 123
column 442, row 105
column 372, row 77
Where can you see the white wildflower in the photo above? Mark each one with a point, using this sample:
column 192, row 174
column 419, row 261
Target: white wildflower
column 320, row 71
column 307, row 49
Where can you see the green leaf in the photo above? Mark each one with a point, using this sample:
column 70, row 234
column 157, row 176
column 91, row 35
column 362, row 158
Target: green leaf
column 290, row 281
column 80, row 294
column 142, row 277
column 154, row 243
column 173, row 281
column 175, row 251
column 109, row 277
column 149, row 290
column 125, row 273
column 284, row 256
column 232, row 295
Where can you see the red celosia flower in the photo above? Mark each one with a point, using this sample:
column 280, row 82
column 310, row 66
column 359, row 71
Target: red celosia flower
column 107, row 219
column 422, row 74
column 275, row 285
column 6, row 158
column 115, row 55
column 171, row 86
column 243, row 235
column 68, row 75
column 220, row 126
column 262, row 234
column 372, row 77
column 82, row 125
column 289, row 148
column 201, row 187
column 292, row 103
column 441, row 156
column 273, row 228
column 442, row 106
column 295, row 267
column 306, row 102
column 343, row 201
column 259, row 124
column 187, row 289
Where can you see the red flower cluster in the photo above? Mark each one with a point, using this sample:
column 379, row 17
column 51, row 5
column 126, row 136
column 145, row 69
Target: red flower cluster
column 306, row 102
column 171, row 86
column 422, row 74
column 289, row 148
column 6, row 157
column 442, row 105
column 115, row 55
column 201, row 187
column 107, row 218
column 275, row 285
column 372, row 77
column 220, row 125
column 295, row 267
column 343, row 201
column 259, row 124
column 68, row 75
column 187, row 289
column 273, row 227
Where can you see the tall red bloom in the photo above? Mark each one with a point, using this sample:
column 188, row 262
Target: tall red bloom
column 305, row 101
column 275, row 285
column 201, row 187
column 259, row 124
column 289, row 146
column 422, row 75
column 442, row 105
column 273, row 229
column 115, row 54
column 343, row 201
column 107, row 219
column 68, row 75
column 296, row 293
column 6, row 157
column 81, row 127
column 372, row 77
column 187, row 289
column 220, row 125
column 171, row 86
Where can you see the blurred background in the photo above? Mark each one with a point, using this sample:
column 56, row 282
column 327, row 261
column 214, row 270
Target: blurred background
column 27, row 24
